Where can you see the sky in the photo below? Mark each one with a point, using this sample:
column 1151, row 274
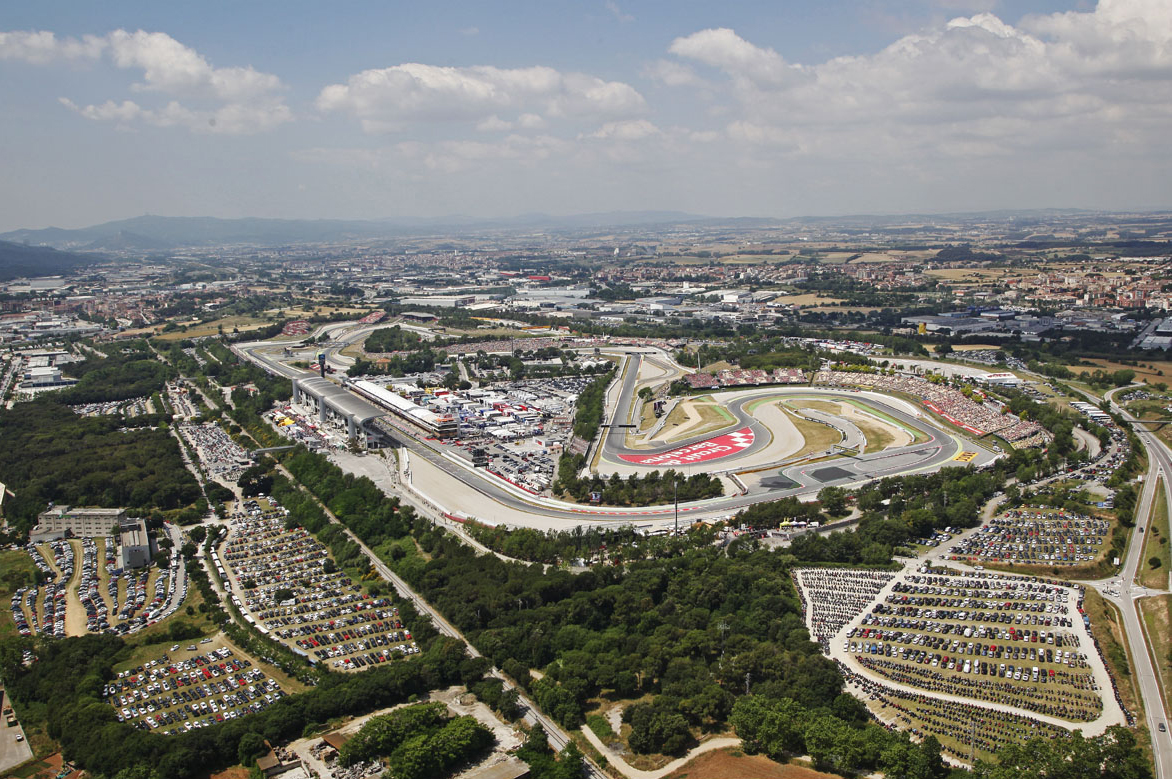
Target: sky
column 769, row 108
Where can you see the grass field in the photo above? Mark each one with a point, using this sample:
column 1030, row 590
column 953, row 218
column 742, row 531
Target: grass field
column 818, row 405
column 1151, row 371
column 879, row 437
column 1156, row 546
column 1157, row 616
column 807, row 299
column 818, row 437
column 200, row 329
column 916, row 436
column 712, row 417
column 1107, row 628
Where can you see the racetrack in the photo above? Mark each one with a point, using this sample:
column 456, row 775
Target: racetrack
column 454, row 486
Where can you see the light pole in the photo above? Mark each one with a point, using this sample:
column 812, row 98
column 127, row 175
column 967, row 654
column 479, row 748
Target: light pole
column 675, row 483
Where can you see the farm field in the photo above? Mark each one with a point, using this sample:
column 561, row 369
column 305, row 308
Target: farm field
column 978, row 275
column 806, row 299
column 1146, row 371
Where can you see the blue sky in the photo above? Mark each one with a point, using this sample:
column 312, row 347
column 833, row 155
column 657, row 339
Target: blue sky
column 368, row 110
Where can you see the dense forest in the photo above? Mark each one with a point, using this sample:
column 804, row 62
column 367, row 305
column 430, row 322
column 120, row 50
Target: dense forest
column 49, row 453
column 129, row 370
column 64, row 688
column 654, row 487
column 691, row 630
column 391, row 339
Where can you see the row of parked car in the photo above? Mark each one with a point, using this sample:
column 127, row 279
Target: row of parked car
column 191, row 693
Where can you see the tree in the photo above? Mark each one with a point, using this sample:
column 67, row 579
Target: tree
column 833, row 500
column 775, row 727
column 832, row 744
column 901, row 759
column 251, row 746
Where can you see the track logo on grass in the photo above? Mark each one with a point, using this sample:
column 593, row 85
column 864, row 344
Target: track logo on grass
column 702, row 452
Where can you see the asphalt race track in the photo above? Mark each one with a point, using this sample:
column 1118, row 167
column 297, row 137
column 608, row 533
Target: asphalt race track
column 794, row 480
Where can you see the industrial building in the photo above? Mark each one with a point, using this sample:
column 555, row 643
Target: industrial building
column 138, row 547
column 60, row 521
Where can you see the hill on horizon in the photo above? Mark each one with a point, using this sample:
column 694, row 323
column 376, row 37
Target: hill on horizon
column 146, row 233
column 18, row 260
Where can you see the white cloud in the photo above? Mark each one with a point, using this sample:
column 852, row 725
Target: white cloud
column 234, row 100
column 229, row 119
column 971, row 87
column 613, row 7
column 388, row 98
column 673, row 74
column 724, row 49
column 632, row 130
column 493, row 124
column 40, row 47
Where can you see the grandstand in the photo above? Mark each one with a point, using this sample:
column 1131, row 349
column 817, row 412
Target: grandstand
column 433, row 424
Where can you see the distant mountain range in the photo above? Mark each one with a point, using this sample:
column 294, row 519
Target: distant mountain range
column 18, row 260
column 156, row 233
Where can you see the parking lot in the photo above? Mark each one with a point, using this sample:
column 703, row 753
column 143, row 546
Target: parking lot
column 191, row 686
column 1001, row 640
column 287, row 584
column 1011, row 656
column 220, row 456
column 1036, row 536
column 133, row 407
column 966, row 731
column 105, row 597
column 835, row 596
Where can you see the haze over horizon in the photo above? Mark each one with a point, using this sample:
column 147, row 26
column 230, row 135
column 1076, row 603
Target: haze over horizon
column 296, row 110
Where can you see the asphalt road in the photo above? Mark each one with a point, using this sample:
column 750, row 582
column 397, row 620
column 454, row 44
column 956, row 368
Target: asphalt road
column 12, row 752
column 1129, row 592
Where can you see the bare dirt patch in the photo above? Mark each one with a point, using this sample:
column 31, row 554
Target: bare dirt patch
column 735, row 764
